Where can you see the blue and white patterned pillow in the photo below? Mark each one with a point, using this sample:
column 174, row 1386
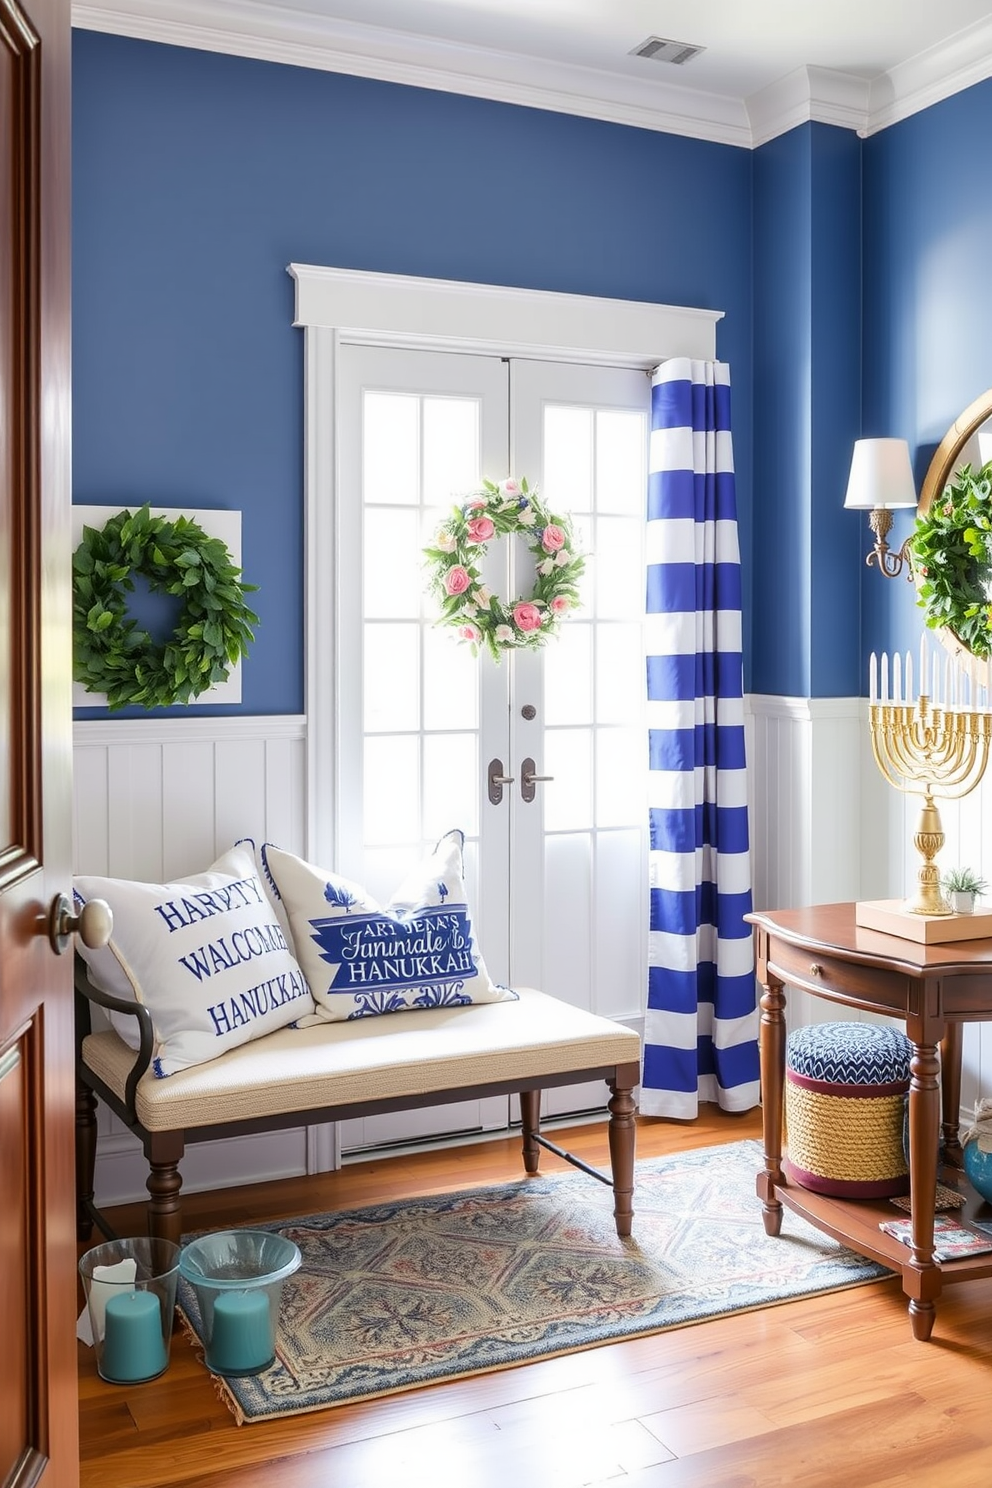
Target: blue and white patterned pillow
column 362, row 959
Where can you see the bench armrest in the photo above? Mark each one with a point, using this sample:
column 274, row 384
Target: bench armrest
column 87, row 993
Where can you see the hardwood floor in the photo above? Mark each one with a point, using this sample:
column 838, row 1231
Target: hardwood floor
column 828, row 1391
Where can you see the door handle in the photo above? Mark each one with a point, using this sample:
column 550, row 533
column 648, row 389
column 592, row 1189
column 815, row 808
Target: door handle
column 94, row 923
column 528, row 780
column 496, row 780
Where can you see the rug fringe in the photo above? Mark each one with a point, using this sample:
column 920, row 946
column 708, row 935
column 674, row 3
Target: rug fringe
column 221, row 1387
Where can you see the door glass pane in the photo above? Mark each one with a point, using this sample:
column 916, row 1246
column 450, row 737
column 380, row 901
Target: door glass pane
column 619, row 673
column 568, row 458
column 391, row 668
column 451, row 784
column 393, row 584
column 619, row 570
column 390, row 445
column 392, row 789
column 620, row 472
column 568, row 799
column 568, row 676
column 451, row 448
column 420, row 452
column 451, row 696
column 621, row 794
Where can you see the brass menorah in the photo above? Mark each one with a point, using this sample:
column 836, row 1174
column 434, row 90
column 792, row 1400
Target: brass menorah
column 928, row 748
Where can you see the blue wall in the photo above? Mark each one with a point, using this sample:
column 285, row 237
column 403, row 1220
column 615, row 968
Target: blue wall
column 807, row 354
column 856, row 278
column 198, row 177
column 927, row 303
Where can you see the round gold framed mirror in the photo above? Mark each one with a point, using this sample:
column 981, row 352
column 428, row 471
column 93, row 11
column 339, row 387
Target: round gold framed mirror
column 960, row 447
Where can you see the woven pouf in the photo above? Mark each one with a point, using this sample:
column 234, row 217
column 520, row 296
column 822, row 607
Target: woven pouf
column 845, row 1085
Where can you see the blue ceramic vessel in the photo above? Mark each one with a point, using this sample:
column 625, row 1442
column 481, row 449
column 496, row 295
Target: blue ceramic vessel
column 978, row 1169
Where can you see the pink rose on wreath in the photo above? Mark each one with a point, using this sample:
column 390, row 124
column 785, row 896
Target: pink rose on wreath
column 456, row 580
column 480, row 529
column 475, row 501
column 552, row 538
column 526, row 616
column 559, row 604
column 470, row 633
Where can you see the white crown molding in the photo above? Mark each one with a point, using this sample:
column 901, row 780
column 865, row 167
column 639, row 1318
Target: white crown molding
column 250, row 28
column 932, row 76
column 809, row 93
column 253, row 28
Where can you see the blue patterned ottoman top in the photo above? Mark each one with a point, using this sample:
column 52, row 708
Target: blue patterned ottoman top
column 849, row 1053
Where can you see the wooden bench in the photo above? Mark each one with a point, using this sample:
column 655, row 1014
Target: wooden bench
column 301, row 1076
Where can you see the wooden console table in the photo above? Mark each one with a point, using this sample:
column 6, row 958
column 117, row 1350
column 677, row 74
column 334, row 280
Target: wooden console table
column 934, row 989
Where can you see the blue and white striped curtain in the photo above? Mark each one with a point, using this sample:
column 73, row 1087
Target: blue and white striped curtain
column 701, row 1025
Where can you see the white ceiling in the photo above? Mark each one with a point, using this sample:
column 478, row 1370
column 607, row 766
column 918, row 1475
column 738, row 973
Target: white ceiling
column 767, row 64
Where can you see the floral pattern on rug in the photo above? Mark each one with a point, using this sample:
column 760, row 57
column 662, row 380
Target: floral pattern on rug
column 401, row 1295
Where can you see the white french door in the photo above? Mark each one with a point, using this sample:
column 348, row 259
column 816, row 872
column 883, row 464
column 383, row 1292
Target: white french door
column 556, row 855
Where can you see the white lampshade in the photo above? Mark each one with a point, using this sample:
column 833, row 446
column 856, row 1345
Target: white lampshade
column 881, row 475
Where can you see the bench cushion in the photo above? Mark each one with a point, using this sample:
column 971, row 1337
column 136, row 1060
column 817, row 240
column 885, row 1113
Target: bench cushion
column 407, row 1054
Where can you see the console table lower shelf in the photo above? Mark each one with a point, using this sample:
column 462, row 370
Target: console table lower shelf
column 854, row 1223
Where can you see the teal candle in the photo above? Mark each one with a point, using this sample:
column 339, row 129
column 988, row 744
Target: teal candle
column 133, row 1344
column 242, row 1340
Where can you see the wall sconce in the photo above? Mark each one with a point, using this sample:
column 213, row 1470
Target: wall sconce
column 880, row 482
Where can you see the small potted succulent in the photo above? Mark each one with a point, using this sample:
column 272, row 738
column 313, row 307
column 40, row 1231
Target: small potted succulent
column 962, row 886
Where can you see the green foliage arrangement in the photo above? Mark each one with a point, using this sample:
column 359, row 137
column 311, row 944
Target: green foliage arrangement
column 112, row 654
column 962, row 881
column 951, row 551
column 454, row 561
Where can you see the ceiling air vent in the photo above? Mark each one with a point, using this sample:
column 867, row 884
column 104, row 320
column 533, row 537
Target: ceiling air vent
column 660, row 50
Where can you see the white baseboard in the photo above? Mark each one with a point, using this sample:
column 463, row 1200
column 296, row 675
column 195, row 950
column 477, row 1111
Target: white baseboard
column 121, row 1169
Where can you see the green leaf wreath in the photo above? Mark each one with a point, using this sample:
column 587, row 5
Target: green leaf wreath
column 454, row 562
column 951, row 549
column 113, row 654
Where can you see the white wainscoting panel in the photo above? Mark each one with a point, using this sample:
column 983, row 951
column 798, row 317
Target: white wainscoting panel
column 804, row 767
column 157, row 798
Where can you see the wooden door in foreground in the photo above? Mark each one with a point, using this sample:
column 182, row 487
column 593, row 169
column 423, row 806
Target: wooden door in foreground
column 38, row 1416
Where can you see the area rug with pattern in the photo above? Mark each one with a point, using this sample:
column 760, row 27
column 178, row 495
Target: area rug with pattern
column 401, row 1295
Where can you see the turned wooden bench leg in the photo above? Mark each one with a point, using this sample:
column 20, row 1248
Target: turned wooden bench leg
column 530, row 1116
column 622, row 1136
column 164, row 1151
column 85, row 1159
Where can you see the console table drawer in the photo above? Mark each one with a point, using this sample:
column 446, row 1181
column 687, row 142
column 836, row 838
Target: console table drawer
column 830, row 976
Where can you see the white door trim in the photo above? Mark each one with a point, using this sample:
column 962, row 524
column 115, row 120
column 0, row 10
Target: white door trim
column 447, row 314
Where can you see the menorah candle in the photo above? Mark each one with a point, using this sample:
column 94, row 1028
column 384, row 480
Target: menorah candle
column 897, row 678
column 909, row 678
column 872, row 678
column 884, row 696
